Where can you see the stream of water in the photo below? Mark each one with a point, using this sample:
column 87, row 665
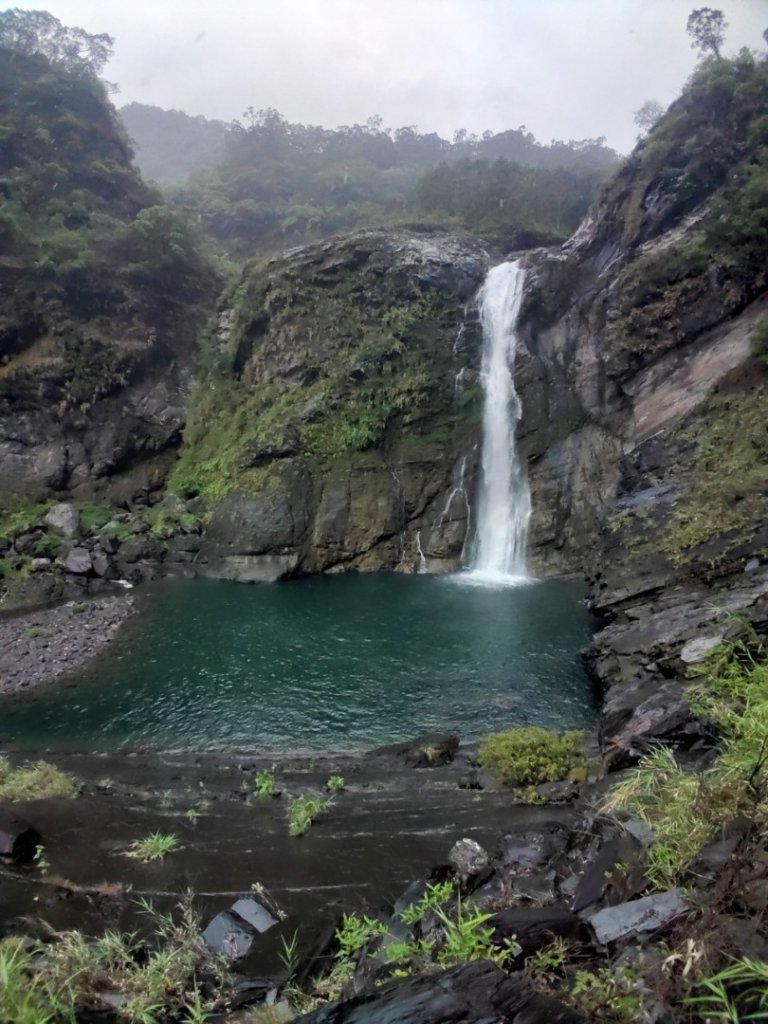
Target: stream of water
column 504, row 504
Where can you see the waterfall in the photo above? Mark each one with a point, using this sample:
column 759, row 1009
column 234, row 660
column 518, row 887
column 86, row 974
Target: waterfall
column 422, row 562
column 504, row 506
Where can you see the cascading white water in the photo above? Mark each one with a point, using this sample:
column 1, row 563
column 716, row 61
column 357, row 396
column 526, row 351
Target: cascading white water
column 504, row 506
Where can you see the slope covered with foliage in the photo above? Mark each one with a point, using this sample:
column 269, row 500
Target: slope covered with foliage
column 169, row 144
column 101, row 283
column 281, row 183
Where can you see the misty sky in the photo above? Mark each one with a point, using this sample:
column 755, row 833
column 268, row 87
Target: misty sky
column 566, row 69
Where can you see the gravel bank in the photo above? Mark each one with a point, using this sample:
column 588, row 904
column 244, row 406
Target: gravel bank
column 44, row 645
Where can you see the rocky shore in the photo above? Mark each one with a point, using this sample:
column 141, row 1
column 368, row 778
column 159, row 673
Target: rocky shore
column 42, row 646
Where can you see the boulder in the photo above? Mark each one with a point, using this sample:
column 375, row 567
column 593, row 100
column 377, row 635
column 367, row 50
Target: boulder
column 648, row 914
column 468, row 858
column 100, row 563
column 18, row 840
column 65, row 518
column 78, row 561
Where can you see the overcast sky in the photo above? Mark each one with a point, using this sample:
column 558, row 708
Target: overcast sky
column 567, row 69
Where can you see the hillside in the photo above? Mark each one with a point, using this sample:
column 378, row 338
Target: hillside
column 281, row 184
column 170, row 145
column 103, row 293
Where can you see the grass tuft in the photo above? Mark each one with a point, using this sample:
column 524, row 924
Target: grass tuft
column 35, row 781
column 155, row 846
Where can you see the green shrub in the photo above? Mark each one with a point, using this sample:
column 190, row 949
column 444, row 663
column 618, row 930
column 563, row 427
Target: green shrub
column 685, row 809
column 49, row 546
column 35, row 781
column 94, row 517
column 529, row 756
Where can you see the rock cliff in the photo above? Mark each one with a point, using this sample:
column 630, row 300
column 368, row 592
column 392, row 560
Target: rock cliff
column 337, row 423
column 103, row 293
column 643, row 383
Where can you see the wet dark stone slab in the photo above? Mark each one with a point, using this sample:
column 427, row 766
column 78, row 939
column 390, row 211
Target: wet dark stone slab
column 479, row 993
column 535, row 927
column 387, row 829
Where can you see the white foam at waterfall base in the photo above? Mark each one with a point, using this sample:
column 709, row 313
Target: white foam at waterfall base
column 504, row 505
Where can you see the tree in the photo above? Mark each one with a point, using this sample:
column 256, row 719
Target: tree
column 33, row 32
column 647, row 115
column 706, row 27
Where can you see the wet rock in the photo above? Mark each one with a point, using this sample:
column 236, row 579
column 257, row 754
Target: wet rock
column 468, row 858
column 616, row 873
column 428, row 751
column 710, row 861
column 478, row 992
column 696, row 650
column 18, row 840
column 65, row 518
column 231, row 934
column 648, row 914
column 109, row 543
column 254, row 990
column 535, row 927
column 25, row 543
column 100, row 563
column 532, row 848
column 78, row 561
column 254, row 914
column 5, row 545
column 557, row 792
column 228, row 936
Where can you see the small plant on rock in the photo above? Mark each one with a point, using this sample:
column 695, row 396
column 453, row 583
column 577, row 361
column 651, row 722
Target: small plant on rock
column 530, row 756
column 41, row 860
column 264, row 784
column 303, row 810
column 335, row 784
column 155, row 846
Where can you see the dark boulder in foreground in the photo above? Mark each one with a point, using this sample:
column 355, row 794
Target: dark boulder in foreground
column 477, row 992
column 18, row 840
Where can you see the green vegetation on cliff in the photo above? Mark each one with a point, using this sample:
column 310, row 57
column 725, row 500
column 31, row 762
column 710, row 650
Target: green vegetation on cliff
column 96, row 271
column 325, row 362
column 706, row 164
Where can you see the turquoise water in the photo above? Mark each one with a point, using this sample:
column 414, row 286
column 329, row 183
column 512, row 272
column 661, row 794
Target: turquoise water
column 339, row 661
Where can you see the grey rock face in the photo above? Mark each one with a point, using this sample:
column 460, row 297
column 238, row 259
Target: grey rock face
column 65, row 518
column 648, row 914
column 78, row 561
